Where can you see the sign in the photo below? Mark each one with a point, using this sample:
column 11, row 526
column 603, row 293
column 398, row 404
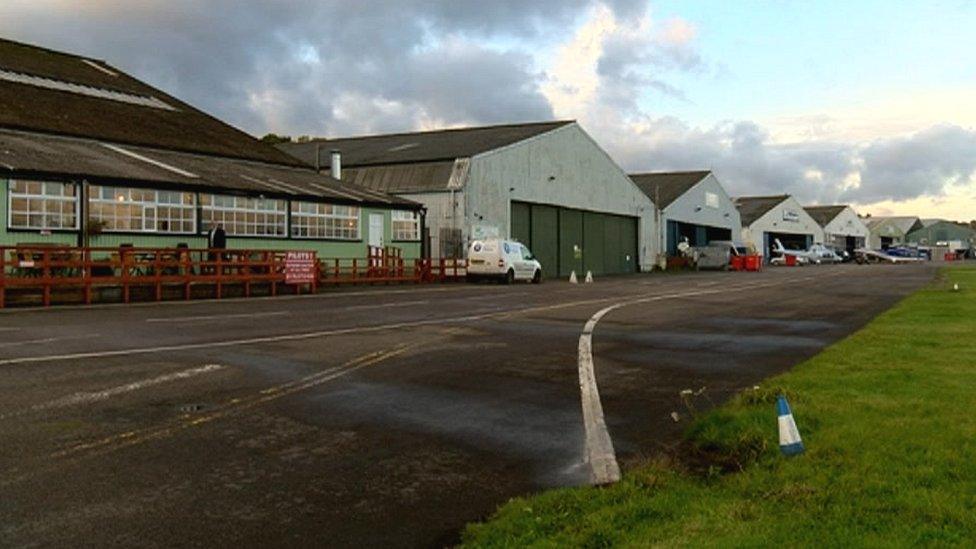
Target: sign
column 791, row 216
column 300, row 268
column 711, row 200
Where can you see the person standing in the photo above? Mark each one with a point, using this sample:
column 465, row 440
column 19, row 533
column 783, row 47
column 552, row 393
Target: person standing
column 217, row 237
column 216, row 240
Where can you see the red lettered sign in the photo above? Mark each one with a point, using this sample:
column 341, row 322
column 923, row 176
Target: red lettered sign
column 300, row 268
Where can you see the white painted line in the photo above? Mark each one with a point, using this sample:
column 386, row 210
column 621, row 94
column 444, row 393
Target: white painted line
column 327, row 333
column 89, row 398
column 10, row 329
column 216, row 317
column 600, row 455
column 384, row 305
column 299, row 336
column 46, row 340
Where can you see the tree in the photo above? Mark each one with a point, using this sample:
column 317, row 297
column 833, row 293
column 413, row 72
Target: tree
column 274, row 139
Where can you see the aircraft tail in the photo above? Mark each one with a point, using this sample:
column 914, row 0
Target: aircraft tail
column 778, row 246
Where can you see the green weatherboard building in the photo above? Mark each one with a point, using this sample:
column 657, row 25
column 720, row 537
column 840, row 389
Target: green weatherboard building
column 90, row 155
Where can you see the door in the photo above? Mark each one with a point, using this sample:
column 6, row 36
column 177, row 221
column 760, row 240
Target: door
column 570, row 242
column 376, row 230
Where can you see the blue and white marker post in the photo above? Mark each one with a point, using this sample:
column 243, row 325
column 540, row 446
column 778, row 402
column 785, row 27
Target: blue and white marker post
column 789, row 436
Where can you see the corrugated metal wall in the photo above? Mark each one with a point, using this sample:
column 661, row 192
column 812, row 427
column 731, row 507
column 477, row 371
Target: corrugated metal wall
column 566, row 239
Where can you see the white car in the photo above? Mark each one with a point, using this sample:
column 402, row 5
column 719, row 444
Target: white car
column 504, row 260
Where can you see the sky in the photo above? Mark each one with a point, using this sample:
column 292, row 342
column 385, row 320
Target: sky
column 869, row 103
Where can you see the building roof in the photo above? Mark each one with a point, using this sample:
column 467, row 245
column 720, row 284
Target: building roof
column 428, row 146
column 663, row 188
column 402, row 178
column 823, row 215
column 904, row 223
column 752, row 208
column 25, row 154
column 46, row 91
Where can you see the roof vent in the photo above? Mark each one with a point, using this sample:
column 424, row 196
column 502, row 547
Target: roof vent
column 98, row 67
column 404, row 147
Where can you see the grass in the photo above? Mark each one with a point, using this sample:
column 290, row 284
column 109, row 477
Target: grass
column 888, row 417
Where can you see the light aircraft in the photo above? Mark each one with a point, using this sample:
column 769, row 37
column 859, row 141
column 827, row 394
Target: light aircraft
column 879, row 256
column 817, row 254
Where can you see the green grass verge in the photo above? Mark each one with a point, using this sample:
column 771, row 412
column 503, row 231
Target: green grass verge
column 888, row 417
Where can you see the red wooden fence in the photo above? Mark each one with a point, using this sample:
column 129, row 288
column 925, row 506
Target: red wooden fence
column 48, row 268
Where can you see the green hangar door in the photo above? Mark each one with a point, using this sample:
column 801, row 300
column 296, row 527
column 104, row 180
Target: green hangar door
column 566, row 240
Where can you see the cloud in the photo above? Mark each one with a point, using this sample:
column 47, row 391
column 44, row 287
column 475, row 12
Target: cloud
column 926, row 163
column 339, row 67
column 306, row 66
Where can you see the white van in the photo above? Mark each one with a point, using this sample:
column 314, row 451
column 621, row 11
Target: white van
column 505, row 260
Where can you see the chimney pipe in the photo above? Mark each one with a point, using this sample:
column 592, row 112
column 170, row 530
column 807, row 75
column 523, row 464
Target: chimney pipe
column 336, row 165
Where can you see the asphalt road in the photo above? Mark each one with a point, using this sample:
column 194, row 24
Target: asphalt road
column 374, row 417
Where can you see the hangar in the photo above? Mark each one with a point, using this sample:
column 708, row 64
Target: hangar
column 842, row 227
column 691, row 205
column 83, row 145
column 548, row 185
column 891, row 230
column 936, row 231
column 766, row 218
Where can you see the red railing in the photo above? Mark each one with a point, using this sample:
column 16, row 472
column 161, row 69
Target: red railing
column 46, row 269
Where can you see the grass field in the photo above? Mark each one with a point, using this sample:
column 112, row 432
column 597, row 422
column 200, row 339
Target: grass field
column 888, row 417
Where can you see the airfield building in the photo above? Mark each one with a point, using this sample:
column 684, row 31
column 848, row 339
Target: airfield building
column 768, row 218
column 842, row 228
column 548, row 185
column 91, row 155
column 691, row 205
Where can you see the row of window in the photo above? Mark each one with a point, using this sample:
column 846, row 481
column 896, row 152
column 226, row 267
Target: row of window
column 43, row 205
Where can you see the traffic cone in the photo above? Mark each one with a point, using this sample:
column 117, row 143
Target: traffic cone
column 589, row 277
column 572, row 277
column 789, row 437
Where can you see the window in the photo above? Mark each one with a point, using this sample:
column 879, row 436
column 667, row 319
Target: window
column 244, row 216
column 406, row 225
column 142, row 210
column 42, row 205
column 314, row 220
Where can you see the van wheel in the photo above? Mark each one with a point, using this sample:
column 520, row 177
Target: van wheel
column 537, row 277
column 510, row 277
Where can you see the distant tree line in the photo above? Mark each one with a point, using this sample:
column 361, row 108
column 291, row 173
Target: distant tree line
column 274, row 139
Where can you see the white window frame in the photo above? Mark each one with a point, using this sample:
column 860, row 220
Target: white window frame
column 123, row 195
column 235, row 211
column 402, row 217
column 44, row 198
column 325, row 222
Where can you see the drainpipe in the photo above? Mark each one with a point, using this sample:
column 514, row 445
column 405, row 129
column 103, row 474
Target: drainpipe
column 83, row 214
column 424, row 237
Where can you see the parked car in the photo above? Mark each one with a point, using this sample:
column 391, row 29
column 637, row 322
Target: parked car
column 504, row 260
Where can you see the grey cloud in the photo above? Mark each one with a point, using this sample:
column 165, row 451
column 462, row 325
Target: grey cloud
column 741, row 154
column 228, row 57
column 921, row 164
